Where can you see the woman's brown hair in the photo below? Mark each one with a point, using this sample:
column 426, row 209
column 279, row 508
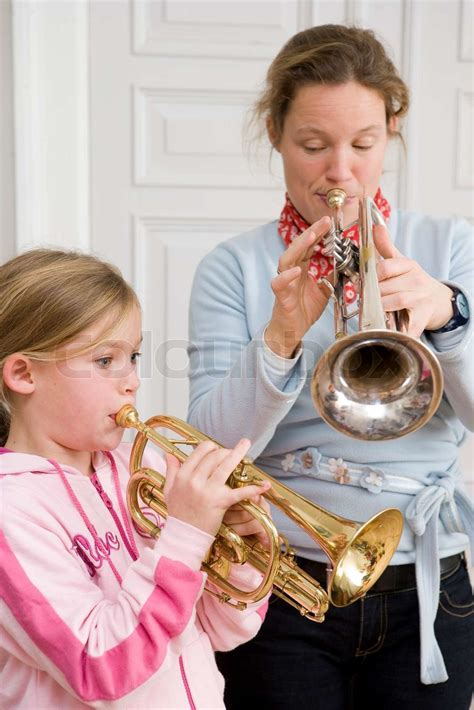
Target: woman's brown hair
column 47, row 298
column 329, row 54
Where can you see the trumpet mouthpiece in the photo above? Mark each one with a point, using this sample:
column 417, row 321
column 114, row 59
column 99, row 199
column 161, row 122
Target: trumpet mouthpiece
column 127, row 417
column 336, row 197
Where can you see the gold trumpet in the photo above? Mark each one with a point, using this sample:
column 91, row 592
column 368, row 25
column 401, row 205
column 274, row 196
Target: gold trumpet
column 359, row 552
column 378, row 383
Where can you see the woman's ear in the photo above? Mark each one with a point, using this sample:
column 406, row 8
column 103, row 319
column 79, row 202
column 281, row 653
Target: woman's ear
column 393, row 126
column 272, row 133
column 17, row 374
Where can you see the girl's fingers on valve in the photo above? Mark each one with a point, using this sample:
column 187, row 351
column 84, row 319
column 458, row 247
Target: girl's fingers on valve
column 231, row 460
column 251, row 527
column 195, row 459
column 261, row 502
column 237, row 495
column 236, row 514
column 211, row 463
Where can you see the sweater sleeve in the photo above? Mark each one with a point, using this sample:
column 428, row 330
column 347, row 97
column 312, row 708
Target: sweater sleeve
column 454, row 349
column 226, row 626
column 231, row 392
column 97, row 647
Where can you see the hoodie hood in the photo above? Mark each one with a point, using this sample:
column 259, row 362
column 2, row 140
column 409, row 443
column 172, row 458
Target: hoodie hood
column 13, row 462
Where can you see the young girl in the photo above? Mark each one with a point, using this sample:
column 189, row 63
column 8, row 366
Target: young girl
column 94, row 615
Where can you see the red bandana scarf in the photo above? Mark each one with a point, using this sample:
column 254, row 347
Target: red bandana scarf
column 291, row 224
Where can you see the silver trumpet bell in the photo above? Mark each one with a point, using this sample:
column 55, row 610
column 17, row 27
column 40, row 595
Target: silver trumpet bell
column 378, row 383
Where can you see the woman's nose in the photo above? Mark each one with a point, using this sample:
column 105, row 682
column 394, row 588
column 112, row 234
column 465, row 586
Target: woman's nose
column 339, row 167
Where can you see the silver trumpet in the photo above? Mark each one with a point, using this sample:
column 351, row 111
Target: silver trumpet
column 378, row 383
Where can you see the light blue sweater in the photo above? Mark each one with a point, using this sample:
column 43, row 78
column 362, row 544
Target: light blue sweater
column 238, row 389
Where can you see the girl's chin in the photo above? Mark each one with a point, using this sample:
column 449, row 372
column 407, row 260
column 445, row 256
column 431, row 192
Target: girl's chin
column 110, row 442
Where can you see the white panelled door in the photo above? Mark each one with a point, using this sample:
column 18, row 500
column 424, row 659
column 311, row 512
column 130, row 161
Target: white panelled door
column 171, row 85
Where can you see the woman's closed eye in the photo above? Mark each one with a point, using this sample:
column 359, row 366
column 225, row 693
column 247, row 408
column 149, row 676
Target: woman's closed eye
column 314, row 148
column 362, row 146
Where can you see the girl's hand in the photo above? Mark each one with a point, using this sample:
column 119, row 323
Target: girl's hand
column 196, row 491
column 243, row 523
column 404, row 285
column 299, row 300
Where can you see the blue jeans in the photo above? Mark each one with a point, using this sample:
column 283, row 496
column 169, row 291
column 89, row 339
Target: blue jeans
column 364, row 655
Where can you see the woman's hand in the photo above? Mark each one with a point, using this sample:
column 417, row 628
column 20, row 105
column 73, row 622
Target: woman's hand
column 243, row 523
column 404, row 285
column 196, row 491
column 299, row 300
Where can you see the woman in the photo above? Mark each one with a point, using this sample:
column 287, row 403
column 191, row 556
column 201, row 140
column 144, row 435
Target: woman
column 260, row 320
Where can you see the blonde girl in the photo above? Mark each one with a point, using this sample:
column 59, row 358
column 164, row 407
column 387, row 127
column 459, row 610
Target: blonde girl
column 92, row 614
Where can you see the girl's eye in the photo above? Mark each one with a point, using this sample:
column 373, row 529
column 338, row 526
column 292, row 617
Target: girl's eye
column 363, row 147
column 104, row 361
column 135, row 357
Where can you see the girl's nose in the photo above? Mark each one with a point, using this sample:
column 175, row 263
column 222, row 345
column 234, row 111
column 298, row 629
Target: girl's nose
column 131, row 382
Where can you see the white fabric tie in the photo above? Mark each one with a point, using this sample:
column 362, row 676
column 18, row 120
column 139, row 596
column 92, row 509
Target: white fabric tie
column 422, row 515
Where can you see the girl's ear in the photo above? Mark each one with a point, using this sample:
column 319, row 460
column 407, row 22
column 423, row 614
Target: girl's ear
column 17, row 374
column 272, row 134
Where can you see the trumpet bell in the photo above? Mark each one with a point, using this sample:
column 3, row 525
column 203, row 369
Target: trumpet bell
column 360, row 564
column 377, row 385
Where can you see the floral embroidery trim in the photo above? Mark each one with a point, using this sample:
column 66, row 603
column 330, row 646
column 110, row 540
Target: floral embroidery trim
column 288, row 462
column 372, row 479
column 308, row 462
column 340, row 470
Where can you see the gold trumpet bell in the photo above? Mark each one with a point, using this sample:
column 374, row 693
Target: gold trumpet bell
column 359, row 564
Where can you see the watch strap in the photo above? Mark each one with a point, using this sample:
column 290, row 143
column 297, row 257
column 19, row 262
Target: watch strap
column 457, row 319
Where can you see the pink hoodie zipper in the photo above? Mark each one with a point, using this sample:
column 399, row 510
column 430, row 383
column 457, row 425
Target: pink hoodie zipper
column 186, row 684
column 110, row 506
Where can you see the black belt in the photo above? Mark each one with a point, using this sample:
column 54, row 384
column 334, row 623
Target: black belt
column 395, row 577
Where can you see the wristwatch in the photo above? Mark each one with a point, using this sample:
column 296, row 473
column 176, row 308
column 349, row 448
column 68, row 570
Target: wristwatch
column 460, row 312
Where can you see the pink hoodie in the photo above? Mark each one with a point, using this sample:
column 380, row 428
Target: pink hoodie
column 96, row 615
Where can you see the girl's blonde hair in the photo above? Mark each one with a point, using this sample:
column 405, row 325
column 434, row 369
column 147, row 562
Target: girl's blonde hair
column 47, row 298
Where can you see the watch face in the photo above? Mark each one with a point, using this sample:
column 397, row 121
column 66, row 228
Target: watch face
column 462, row 304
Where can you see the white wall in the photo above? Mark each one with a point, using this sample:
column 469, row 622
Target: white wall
column 7, row 173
